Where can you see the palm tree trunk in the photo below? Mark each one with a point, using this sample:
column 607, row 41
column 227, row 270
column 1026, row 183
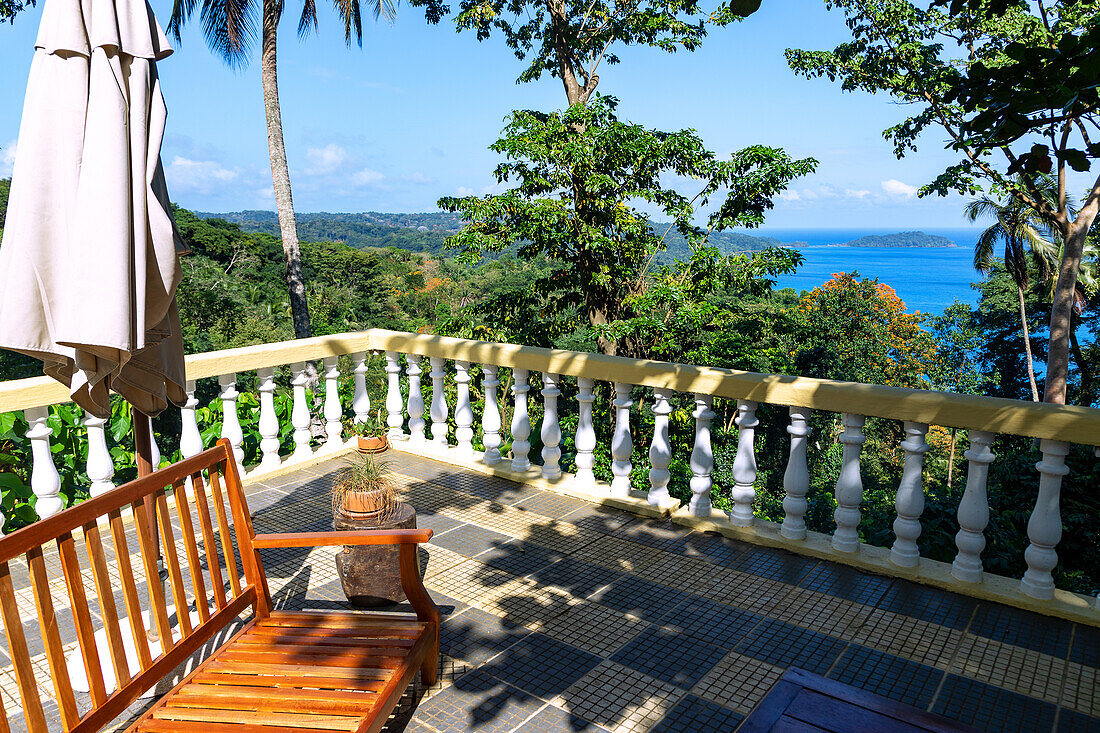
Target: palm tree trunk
column 1027, row 346
column 1082, row 366
column 1061, row 311
column 280, row 174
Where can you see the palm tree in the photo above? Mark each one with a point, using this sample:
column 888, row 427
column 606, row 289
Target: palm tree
column 1019, row 230
column 229, row 30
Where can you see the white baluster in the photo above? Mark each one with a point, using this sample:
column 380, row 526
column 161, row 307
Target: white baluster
column 973, row 510
column 439, row 401
column 660, row 451
column 909, row 501
column 1044, row 529
column 190, row 437
column 269, row 421
column 154, row 449
column 551, row 429
column 101, row 468
column 521, row 423
column 394, row 418
column 333, row 410
column 796, row 479
column 849, row 486
column 299, row 413
column 621, row 443
column 361, row 401
column 744, row 465
column 586, row 435
column 702, row 458
column 45, row 481
column 231, row 424
column 490, row 416
column 464, row 413
column 415, row 404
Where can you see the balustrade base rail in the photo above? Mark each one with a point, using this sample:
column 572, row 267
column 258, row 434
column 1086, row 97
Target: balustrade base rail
column 873, row 559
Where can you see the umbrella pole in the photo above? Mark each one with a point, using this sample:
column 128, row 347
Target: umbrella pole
column 143, row 456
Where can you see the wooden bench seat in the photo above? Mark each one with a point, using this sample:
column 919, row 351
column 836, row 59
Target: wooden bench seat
column 281, row 671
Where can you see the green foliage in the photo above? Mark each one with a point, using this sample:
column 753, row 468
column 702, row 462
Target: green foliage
column 10, row 8
column 578, row 176
column 412, row 232
column 5, row 189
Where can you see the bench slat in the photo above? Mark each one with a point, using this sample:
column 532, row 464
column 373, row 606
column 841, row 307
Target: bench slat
column 21, row 658
column 142, row 517
column 208, row 541
column 129, row 588
column 78, row 601
column 226, row 535
column 106, row 595
column 172, row 563
column 51, row 637
column 187, row 529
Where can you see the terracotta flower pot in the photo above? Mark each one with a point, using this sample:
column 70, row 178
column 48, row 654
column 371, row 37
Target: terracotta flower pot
column 363, row 503
column 373, row 443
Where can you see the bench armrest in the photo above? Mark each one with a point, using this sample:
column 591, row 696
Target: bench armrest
column 406, row 540
column 348, row 537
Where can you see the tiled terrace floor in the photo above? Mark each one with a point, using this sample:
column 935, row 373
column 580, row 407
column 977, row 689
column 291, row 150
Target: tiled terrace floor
column 563, row 616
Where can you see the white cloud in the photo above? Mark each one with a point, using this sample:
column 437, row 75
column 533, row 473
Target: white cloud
column 367, row 177
column 463, row 191
column 198, row 176
column 790, row 195
column 265, row 196
column 7, row 159
column 419, row 178
column 857, row 194
column 328, row 159
column 895, row 187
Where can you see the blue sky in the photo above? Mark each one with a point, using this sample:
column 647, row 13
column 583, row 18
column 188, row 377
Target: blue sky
column 409, row 117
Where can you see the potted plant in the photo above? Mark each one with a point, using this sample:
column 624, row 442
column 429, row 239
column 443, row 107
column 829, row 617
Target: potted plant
column 365, row 497
column 371, row 434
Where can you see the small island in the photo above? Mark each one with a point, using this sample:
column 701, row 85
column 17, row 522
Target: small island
column 901, row 239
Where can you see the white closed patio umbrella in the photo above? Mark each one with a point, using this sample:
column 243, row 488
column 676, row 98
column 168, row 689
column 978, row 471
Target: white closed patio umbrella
column 88, row 263
column 88, row 266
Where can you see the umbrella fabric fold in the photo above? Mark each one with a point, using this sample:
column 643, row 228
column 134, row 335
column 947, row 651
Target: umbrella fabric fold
column 89, row 262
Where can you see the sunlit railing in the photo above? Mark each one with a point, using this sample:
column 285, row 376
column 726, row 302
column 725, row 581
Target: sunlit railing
column 416, row 426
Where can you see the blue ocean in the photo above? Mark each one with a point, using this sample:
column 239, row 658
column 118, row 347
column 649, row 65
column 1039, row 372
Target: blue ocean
column 927, row 279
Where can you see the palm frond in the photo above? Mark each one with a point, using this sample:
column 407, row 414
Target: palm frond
column 985, row 247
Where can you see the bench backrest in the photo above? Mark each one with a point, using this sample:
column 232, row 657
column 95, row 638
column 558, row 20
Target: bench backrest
column 201, row 520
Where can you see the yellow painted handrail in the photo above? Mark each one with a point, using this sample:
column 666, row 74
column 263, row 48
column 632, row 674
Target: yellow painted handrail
column 1059, row 422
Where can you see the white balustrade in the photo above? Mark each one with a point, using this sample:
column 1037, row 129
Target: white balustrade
column 702, row 458
column 439, row 401
column 909, row 501
column 415, row 404
column 796, row 478
column 744, row 465
column 660, row 451
column 586, row 435
column 521, row 423
column 1044, row 529
column 333, row 410
column 490, row 416
column 269, row 421
column 100, row 467
column 464, row 413
column 394, row 418
column 45, row 480
column 849, row 486
column 231, row 424
column 360, row 403
column 299, row 412
column 190, row 437
column 551, row 429
column 973, row 510
column 622, row 444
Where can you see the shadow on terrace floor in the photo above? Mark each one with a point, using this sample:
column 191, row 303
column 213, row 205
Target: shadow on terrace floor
column 562, row 615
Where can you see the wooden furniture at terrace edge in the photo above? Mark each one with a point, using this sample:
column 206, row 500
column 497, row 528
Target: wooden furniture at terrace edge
column 802, row 702
column 280, row 671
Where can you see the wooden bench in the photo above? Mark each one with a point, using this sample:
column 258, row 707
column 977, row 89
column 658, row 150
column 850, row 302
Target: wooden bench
column 280, row 671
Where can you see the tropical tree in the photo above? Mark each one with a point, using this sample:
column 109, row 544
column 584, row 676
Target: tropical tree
column 10, row 8
column 229, row 30
column 1016, row 88
column 1017, row 229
